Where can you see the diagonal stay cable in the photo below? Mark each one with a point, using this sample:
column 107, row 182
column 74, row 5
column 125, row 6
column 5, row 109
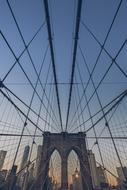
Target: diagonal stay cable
column 89, row 111
column 46, row 6
column 19, row 110
column 27, row 46
column 37, row 122
column 27, row 115
column 110, row 172
column 2, row 85
column 106, row 106
column 24, row 104
column 88, row 70
column 108, row 111
column 20, row 116
column 78, row 17
column 100, row 135
column 95, row 38
column 28, row 52
column 92, row 122
column 30, row 105
column 112, row 107
column 105, row 74
column 40, row 108
column 25, row 73
column 99, row 55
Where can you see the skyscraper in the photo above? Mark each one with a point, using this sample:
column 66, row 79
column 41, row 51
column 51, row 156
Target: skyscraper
column 24, row 161
column 93, row 169
column 25, row 157
column 2, row 157
column 39, row 153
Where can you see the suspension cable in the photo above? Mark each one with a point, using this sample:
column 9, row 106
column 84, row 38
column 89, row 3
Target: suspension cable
column 99, row 55
column 118, row 100
column 110, row 56
column 28, row 52
column 46, row 6
column 27, row 46
column 27, row 75
column 92, row 122
column 105, row 74
column 78, row 17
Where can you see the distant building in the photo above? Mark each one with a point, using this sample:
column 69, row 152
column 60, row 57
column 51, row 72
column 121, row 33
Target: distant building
column 29, row 177
column 24, row 162
column 76, row 181
column 102, row 177
column 3, row 175
column 93, row 169
column 31, row 171
column 11, row 178
column 2, row 158
column 39, row 153
column 120, row 173
column 25, row 157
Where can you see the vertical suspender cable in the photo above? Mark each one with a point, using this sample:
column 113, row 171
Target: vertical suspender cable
column 46, row 6
column 79, row 7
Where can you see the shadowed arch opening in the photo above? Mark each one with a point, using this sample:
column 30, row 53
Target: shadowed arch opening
column 74, row 173
column 55, row 170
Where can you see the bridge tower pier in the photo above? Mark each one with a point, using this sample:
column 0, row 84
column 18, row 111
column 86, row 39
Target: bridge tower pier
column 63, row 143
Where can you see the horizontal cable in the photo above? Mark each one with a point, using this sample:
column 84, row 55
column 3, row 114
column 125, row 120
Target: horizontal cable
column 65, row 83
column 18, row 135
column 103, row 137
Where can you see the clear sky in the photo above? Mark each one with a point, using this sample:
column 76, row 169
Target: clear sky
column 98, row 16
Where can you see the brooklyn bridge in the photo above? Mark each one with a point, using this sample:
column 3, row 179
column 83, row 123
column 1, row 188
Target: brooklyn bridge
column 63, row 95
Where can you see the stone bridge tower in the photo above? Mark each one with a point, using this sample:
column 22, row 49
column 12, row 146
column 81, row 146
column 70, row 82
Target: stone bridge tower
column 64, row 143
